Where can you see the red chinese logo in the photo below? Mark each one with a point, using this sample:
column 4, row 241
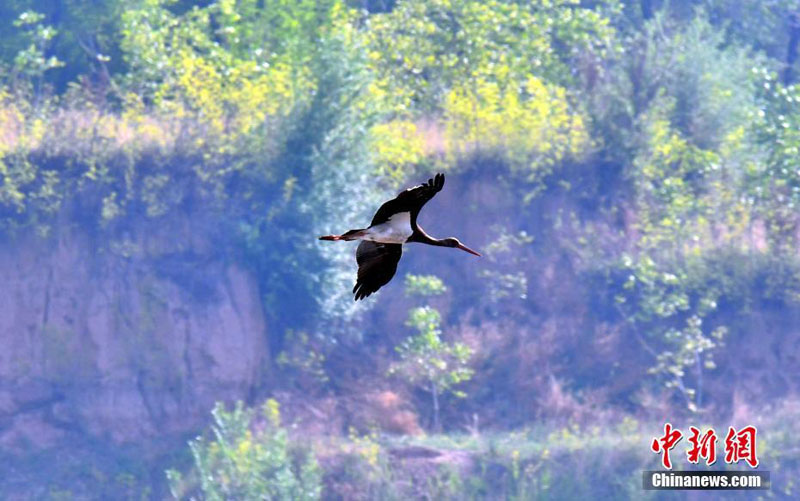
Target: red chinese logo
column 666, row 443
column 741, row 445
column 704, row 446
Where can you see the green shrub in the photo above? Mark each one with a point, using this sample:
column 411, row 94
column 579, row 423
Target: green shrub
column 246, row 458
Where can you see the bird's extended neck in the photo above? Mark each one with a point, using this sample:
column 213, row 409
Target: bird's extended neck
column 420, row 236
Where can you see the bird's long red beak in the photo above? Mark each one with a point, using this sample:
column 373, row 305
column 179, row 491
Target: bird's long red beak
column 465, row 248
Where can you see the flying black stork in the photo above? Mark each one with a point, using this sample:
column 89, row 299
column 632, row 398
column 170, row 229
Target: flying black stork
column 393, row 225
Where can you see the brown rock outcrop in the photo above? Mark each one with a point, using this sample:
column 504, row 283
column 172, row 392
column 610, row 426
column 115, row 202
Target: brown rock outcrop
column 121, row 348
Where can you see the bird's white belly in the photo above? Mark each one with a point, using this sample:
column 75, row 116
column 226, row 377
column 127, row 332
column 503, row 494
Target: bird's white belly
column 394, row 231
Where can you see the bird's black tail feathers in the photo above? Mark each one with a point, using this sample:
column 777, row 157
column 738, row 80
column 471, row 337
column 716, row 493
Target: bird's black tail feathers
column 348, row 235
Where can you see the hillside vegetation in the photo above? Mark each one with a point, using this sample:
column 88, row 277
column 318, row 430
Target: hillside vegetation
column 630, row 172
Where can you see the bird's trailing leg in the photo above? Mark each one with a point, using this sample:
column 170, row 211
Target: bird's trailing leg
column 348, row 235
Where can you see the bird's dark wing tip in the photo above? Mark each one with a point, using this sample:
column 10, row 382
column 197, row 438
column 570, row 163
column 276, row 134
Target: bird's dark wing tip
column 437, row 182
column 360, row 293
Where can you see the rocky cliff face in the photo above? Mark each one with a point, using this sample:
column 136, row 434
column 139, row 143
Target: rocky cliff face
column 121, row 348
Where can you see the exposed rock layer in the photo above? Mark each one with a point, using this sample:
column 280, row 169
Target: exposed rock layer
column 121, row 348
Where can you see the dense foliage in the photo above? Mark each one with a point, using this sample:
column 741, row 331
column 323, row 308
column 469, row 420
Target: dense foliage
column 239, row 463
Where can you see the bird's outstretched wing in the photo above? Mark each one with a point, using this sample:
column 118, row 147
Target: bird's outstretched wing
column 377, row 264
column 410, row 200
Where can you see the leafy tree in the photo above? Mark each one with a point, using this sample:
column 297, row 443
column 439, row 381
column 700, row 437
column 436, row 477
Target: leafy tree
column 32, row 61
column 428, row 48
column 774, row 183
column 424, row 285
column 425, row 359
column 667, row 312
column 532, row 125
column 491, row 76
column 85, row 38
